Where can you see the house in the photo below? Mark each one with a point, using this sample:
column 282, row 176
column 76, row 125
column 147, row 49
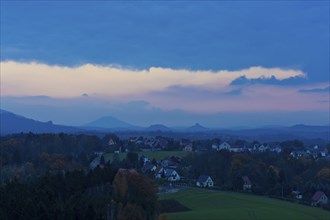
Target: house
column 165, row 162
column 276, row 149
column 188, row 148
column 158, row 172
column 247, row 185
column 171, row 162
column 236, row 149
column 324, row 152
column 215, row 147
column 263, row 148
column 204, row 181
column 224, row 146
column 184, row 142
column 148, row 166
column 297, row 194
column 144, row 159
column 98, row 153
column 150, row 142
column 255, row 147
column 98, row 161
column 171, row 175
column 298, row 154
column 319, row 198
column 319, row 151
column 133, row 139
column 111, row 142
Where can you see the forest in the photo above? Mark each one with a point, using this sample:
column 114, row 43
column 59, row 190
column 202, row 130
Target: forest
column 80, row 195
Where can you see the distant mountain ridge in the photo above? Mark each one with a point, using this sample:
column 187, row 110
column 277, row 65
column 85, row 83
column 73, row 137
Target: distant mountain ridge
column 108, row 122
column 12, row 123
column 196, row 128
column 158, row 127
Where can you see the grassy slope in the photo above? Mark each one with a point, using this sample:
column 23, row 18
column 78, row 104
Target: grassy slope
column 158, row 155
column 225, row 205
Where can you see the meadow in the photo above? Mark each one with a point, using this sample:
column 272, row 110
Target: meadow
column 158, row 155
column 207, row 204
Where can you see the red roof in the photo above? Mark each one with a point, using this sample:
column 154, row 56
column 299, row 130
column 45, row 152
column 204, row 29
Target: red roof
column 158, row 169
column 317, row 196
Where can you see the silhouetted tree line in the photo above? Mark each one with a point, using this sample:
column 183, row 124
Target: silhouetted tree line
column 28, row 154
column 98, row 194
column 20, row 148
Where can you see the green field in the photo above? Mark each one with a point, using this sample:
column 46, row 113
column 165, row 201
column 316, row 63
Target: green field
column 158, row 155
column 226, row 205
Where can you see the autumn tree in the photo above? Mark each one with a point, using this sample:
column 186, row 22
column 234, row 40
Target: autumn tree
column 135, row 196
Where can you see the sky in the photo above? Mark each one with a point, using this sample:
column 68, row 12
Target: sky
column 218, row 63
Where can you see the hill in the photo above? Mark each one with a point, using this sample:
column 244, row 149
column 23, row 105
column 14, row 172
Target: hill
column 158, row 127
column 12, row 123
column 109, row 122
column 196, row 128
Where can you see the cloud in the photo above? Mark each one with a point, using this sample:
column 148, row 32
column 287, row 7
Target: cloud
column 219, row 35
column 34, row 79
column 240, row 99
column 242, row 80
column 186, row 93
column 316, row 90
column 234, row 92
column 112, row 89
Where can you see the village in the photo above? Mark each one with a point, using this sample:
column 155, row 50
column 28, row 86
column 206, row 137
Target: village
column 159, row 143
column 175, row 172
